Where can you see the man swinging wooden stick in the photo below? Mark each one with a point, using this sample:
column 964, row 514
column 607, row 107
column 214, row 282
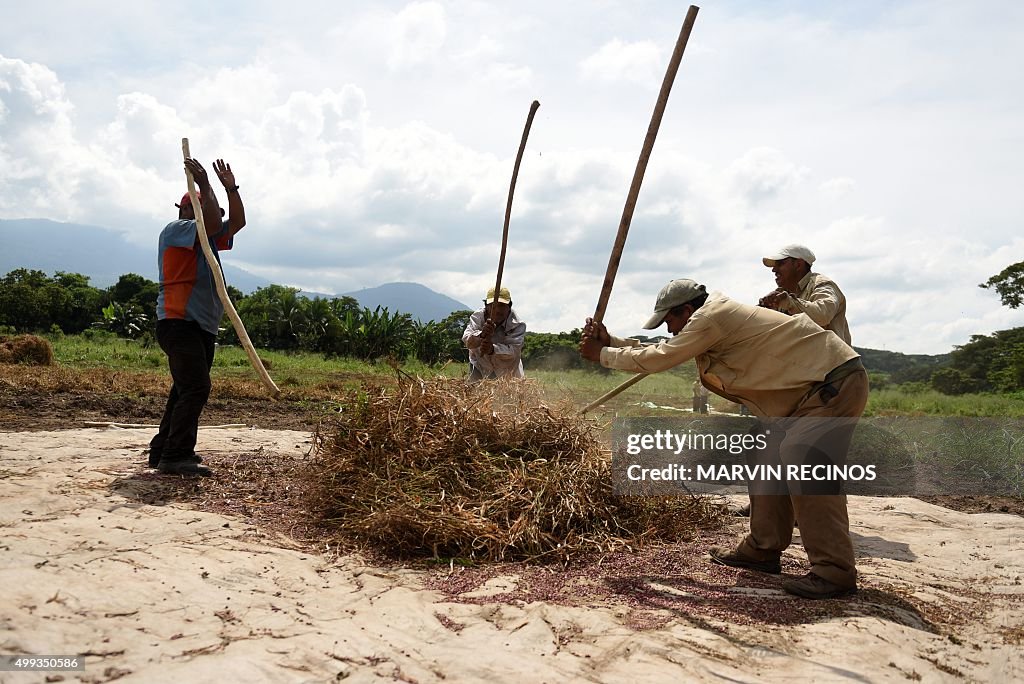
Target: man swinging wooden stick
column 494, row 335
column 190, row 304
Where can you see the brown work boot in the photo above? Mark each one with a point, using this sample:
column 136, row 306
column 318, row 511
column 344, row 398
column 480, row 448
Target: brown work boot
column 814, row 587
column 734, row 559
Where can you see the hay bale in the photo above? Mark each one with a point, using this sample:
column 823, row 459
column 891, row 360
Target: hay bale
column 27, row 349
column 487, row 471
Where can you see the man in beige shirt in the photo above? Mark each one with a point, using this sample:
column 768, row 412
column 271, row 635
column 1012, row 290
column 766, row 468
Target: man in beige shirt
column 781, row 368
column 802, row 291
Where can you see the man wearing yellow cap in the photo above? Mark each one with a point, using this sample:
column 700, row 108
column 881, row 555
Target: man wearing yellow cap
column 494, row 337
column 789, row 372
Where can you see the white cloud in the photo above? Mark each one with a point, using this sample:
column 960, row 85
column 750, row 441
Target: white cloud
column 374, row 142
column 418, row 34
column 616, row 60
column 43, row 164
column 143, row 132
column 837, row 188
column 763, row 174
column 233, row 93
column 508, row 76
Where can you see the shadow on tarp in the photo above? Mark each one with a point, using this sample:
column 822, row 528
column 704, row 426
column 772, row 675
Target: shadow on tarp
column 156, row 489
column 885, row 456
column 761, row 599
column 877, row 547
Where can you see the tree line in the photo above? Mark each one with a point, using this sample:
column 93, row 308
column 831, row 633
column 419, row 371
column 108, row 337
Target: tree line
column 277, row 317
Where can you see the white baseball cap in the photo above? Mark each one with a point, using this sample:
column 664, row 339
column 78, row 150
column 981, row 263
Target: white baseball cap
column 790, row 252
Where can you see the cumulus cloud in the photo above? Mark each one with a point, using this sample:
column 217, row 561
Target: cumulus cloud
column 418, row 33
column 837, row 188
column 375, row 143
column 142, row 131
column 44, row 166
column 764, row 173
column 639, row 62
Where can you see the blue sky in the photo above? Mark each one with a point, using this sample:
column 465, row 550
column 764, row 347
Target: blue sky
column 374, row 142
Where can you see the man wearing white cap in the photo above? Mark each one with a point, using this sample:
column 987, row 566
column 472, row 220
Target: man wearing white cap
column 803, row 291
column 785, row 369
column 494, row 337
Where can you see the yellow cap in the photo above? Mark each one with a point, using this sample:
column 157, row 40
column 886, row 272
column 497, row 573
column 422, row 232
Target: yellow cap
column 504, row 296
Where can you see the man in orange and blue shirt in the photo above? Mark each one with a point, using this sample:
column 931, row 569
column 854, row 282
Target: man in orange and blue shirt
column 188, row 316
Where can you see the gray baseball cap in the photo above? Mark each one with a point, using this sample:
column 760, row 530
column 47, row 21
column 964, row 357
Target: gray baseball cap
column 789, row 252
column 672, row 295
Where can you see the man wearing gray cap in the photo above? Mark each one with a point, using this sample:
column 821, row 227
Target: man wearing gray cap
column 779, row 367
column 802, row 291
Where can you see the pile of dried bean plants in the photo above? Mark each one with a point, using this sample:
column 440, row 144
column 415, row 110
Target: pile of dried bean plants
column 486, row 471
column 26, row 349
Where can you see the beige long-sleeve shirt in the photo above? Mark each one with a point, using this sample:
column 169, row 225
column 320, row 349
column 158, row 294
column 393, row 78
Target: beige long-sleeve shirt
column 823, row 302
column 761, row 358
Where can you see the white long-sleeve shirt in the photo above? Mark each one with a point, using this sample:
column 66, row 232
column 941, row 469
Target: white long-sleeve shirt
column 508, row 346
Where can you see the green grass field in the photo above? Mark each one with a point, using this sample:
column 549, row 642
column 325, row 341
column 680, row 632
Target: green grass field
column 657, row 394
column 930, row 426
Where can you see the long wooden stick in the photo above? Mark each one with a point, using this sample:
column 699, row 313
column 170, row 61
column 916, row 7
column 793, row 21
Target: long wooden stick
column 611, row 393
column 634, row 191
column 218, row 280
column 511, row 190
column 129, row 426
column 641, row 164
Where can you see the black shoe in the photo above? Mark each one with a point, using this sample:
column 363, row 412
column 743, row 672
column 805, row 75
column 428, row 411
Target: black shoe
column 735, row 560
column 812, row 586
column 183, row 467
column 154, row 459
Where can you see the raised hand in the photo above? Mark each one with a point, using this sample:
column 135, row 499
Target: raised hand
column 226, row 175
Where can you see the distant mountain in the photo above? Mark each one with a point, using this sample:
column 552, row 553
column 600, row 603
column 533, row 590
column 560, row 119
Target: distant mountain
column 412, row 298
column 105, row 255
column 100, row 253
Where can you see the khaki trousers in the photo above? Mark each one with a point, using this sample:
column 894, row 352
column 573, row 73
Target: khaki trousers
column 819, row 431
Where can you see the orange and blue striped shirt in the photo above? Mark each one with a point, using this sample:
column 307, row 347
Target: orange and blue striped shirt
column 187, row 289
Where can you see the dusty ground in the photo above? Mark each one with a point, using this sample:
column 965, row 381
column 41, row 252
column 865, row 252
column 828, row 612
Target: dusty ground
column 158, row 578
column 43, row 409
column 50, row 404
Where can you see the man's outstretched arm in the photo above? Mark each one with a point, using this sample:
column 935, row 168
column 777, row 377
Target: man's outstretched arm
column 207, row 199
column 236, row 210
